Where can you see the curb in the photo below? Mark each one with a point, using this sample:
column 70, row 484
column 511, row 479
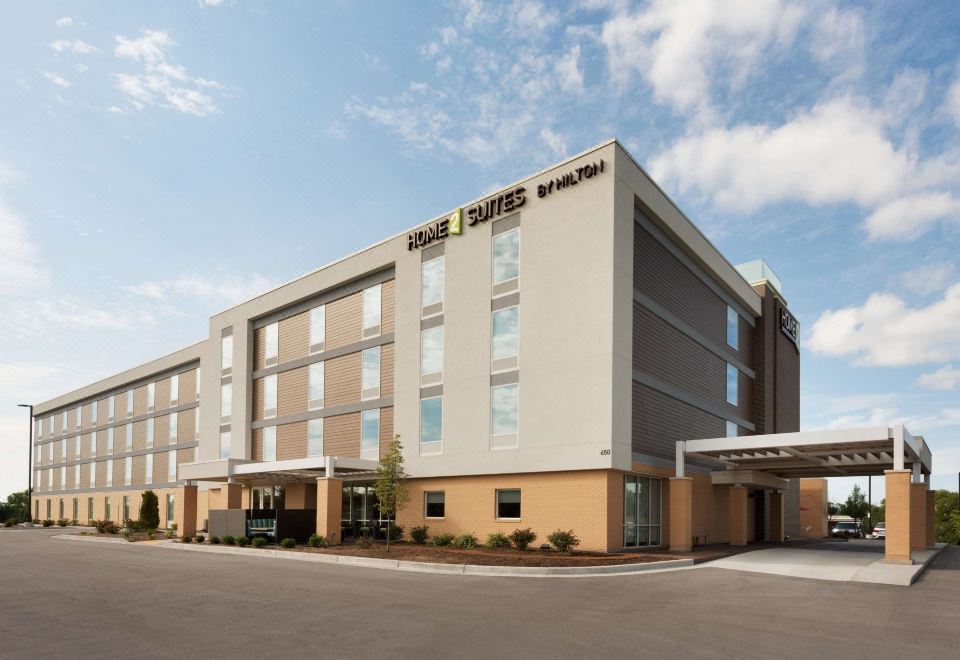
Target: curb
column 89, row 539
column 923, row 567
column 444, row 569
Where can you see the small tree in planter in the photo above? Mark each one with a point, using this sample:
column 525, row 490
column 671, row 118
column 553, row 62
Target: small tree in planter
column 149, row 510
column 391, row 488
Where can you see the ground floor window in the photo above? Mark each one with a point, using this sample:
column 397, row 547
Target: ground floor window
column 126, row 508
column 76, row 509
column 641, row 511
column 106, row 508
column 267, row 497
column 171, row 511
column 89, row 508
column 61, row 509
column 508, row 504
column 36, row 509
column 434, row 504
column 359, row 513
column 49, row 504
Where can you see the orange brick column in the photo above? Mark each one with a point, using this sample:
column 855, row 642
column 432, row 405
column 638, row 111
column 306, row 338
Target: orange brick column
column 776, row 516
column 232, row 495
column 681, row 514
column 185, row 510
column 738, row 515
column 931, row 526
column 329, row 494
column 897, row 545
column 918, row 516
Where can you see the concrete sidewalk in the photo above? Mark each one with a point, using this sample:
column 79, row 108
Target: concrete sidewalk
column 852, row 561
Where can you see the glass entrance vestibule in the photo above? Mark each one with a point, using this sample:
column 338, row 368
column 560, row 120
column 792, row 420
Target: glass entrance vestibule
column 641, row 511
column 359, row 513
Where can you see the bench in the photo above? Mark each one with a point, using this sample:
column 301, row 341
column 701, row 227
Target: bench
column 264, row 526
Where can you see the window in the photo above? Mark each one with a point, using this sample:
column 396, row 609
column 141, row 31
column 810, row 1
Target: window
column 127, row 470
column 93, row 413
column 89, row 508
column 732, row 431
column 226, row 355
column 76, row 478
column 508, row 504
column 506, row 256
column 63, row 478
column 129, row 403
column 318, row 328
column 226, row 402
column 503, row 416
column 106, row 508
column 128, row 440
column 151, row 396
column 371, row 311
column 50, row 479
column 733, row 328
column 63, row 450
column 196, row 384
column 150, row 423
column 270, row 396
column 431, row 356
column 111, row 407
column 66, row 423
column 732, row 375
column 173, row 422
column 171, row 510
column 270, row 443
column 431, row 425
column 315, row 437
column 505, row 339
column 76, row 446
column 271, row 341
column 433, row 504
column 370, row 434
column 641, row 511
column 93, row 475
column 196, row 422
column 109, row 440
column 431, row 286
column 315, row 387
column 174, row 389
column 148, row 469
column 50, row 452
column 171, row 466
column 110, row 472
column 126, row 507
column 224, row 444
column 371, row 374
column 49, row 504
column 79, row 414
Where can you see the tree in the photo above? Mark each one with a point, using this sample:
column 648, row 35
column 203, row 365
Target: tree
column 947, row 517
column 391, row 489
column 832, row 509
column 15, row 507
column 856, row 505
column 149, row 510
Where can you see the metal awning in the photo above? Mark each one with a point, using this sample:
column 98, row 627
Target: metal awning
column 298, row 469
column 834, row 453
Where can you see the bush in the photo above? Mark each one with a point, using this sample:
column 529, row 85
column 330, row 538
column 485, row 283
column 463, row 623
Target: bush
column 170, row 532
column 465, row 542
column 365, row 543
column 419, row 534
column 74, row 522
column 10, row 522
column 62, row 522
column 259, row 542
column 228, row 540
column 187, row 539
column 315, row 541
column 521, row 538
column 47, row 522
column 396, row 532
column 442, row 539
column 133, row 525
column 497, row 540
column 564, row 541
column 288, row 543
column 151, row 533
column 149, row 510
column 201, row 538
column 215, row 540
column 243, row 541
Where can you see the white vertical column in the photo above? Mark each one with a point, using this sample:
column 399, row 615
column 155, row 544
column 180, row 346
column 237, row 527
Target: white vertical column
column 681, row 456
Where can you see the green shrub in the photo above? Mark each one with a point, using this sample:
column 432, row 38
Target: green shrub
column 521, row 538
column 228, row 540
column 564, row 541
column 62, row 522
column 396, row 532
column 10, row 522
column 497, row 540
column 465, row 542
column 243, row 541
column 133, row 525
column 105, row 526
column 365, row 532
column 201, row 538
column 174, row 527
column 36, row 521
column 47, row 522
column 442, row 539
column 73, row 523
column 187, row 539
column 288, row 543
column 151, row 533
column 315, row 540
column 127, row 534
column 149, row 510
column 419, row 534
column 259, row 542
column 170, row 532
column 215, row 540
column 365, row 543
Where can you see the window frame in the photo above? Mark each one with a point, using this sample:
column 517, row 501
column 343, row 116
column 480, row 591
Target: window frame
column 432, row 443
column 499, row 286
column 733, row 319
column 271, row 432
column 426, row 504
column 368, row 330
column 497, row 493
column 313, row 423
column 363, row 415
column 732, row 386
column 271, row 344
column 312, row 369
column 516, row 432
column 373, row 392
column 435, row 308
column 506, row 362
column 318, row 313
column 271, row 394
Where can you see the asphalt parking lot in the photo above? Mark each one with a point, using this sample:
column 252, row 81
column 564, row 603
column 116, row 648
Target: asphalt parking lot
column 78, row 600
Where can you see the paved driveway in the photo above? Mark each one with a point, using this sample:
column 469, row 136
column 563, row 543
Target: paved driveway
column 71, row 599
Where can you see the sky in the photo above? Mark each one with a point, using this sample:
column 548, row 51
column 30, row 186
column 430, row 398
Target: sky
column 160, row 162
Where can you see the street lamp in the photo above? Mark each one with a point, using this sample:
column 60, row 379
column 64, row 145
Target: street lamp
column 29, row 518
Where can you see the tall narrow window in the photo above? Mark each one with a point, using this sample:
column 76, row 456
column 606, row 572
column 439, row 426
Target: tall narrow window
column 226, row 401
column 270, row 396
column 732, row 430
column 315, row 437
column 76, row 476
column 196, row 385
column 431, row 356
column 110, row 472
column 63, row 478
column 148, row 469
column 171, row 510
column 371, row 311
column 111, row 407
column 63, row 450
column 318, row 328
column 732, row 377
column 174, row 389
column 431, row 286
column 269, row 443
column 505, row 339
column 171, row 466
column 150, row 428
column 224, row 444
column 370, row 434
column 66, row 424
column 93, row 413
column 110, row 440
column 76, row 446
column 506, row 259
column 93, row 475
column 126, row 507
column 733, row 328
column 151, row 396
column 89, row 509
column 129, row 403
column 271, row 341
column 128, row 470
column 370, row 387
column 50, row 452
column 93, row 441
column 431, row 425
column 174, row 421
column 641, row 511
column 79, row 414
column 504, row 404
column 196, row 422
column 106, row 508
column 315, row 380
column 226, row 355
column 128, row 440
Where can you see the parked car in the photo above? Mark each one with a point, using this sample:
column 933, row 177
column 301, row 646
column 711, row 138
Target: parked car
column 880, row 530
column 846, row 530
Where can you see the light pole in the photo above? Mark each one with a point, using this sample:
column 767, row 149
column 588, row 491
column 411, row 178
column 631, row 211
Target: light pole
column 29, row 517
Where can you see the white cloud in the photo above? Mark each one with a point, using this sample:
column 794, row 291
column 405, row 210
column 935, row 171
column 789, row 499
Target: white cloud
column 77, row 46
column 928, row 278
column 952, row 102
column 681, row 48
column 203, row 289
column 22, row 269
column 837, row 42
column 210, row 3
column 57, row 80
column 554, row 141
column 885, row 331
column 911, row 216
column 64, row 21
column 944, row 378
column 162, row 82
column 568, row 71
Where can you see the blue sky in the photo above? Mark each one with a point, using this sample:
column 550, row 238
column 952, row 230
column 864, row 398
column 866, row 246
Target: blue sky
column 140, row 141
